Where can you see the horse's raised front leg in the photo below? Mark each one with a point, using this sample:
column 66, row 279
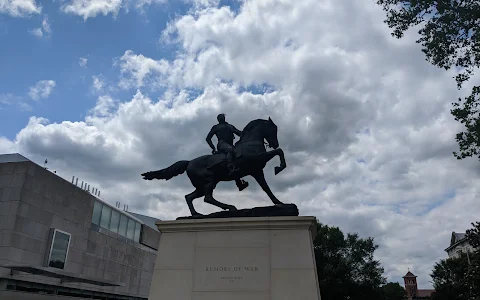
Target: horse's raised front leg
column 260, row 178
column 283, row 163
column 209, row 187
column 265, row 157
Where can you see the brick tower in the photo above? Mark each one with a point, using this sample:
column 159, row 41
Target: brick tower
column 410, row 285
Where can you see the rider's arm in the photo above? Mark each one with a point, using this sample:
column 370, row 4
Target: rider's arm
column 209, row 138
column 236, row 131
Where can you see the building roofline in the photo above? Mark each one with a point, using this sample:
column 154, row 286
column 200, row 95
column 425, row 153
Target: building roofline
column 410, row 275
column 12, row 157
column 17, row 157
column 150, row 221
column 456, row 243
column 126, row 213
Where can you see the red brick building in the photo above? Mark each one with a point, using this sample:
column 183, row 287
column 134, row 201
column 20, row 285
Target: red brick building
column 411, row 287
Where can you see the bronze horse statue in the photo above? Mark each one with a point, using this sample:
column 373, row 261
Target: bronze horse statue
column 207, row 170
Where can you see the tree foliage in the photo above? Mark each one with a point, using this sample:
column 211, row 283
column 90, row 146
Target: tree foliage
column 450, row 37
column 346, row 266
column 473, row 236
column 457, row 278
column 393, row 291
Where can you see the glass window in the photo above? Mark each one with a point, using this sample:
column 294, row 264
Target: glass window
column 122, row 229
column 59, row 249
column 138, row 226
column 114, row 221
column 97, row 210
column 131, row 229
column 105, row 220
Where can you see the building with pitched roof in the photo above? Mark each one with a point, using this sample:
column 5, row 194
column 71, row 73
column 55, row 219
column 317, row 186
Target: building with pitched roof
column 458, row 244
column 411, row 287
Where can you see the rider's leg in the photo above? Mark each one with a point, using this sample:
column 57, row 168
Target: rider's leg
column 230, row 157
column 230, row 160
column 228, row 149
column 241, row 184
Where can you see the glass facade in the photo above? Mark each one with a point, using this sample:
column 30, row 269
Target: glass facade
column 111, row 219
column 114, row 221
column 131, row 229
column 138, row 226
column 59, row 249
column 105, row 219
column 97, row 212
column 122, row 230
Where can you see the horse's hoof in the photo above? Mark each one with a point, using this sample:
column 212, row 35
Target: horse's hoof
column 278, row 169
column 243, row 186
column 231, row 207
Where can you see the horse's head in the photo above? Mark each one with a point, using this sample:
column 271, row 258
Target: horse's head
column 260, row 130
column 270, row 133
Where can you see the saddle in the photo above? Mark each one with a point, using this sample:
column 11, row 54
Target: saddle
column 218, row 158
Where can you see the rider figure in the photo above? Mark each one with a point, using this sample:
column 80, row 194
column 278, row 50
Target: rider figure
column 225, row 135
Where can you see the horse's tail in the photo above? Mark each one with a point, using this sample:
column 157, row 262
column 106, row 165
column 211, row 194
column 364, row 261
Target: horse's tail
column 176, row 169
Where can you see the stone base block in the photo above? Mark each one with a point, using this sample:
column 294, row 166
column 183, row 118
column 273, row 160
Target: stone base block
column 236, row 258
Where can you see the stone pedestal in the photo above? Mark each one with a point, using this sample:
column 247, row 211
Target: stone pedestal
column 236, row 258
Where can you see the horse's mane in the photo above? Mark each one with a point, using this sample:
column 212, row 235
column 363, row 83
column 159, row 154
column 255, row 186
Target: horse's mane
column 252, row 125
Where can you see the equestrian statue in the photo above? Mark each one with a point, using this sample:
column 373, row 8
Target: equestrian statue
column 248, row 156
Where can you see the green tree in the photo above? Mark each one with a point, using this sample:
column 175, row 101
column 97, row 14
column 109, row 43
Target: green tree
column 346, row 266
column 450, row 279
column 393, row 291
column 473, row 274
column 450, row 37
column 473, row 235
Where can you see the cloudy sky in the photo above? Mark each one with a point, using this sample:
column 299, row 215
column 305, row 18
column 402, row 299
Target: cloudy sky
column 108, row 89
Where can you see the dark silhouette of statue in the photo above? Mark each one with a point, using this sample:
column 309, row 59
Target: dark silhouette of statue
column 251, row 157
column 225, row 134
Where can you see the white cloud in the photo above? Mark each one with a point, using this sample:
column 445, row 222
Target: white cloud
column 83, row 62
column 25, row 106
column 140, row 4
column 137, row 68
column 19, row 8
column 104, row 107
column 41, row 89
column 198, row 5
column 37, row 32
column 7, row 146
column 9, row 100
column 91, row 8
column 6, row 99
column 46, row 29
column 363, row 119
column 46, row 25
column 98, row 84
